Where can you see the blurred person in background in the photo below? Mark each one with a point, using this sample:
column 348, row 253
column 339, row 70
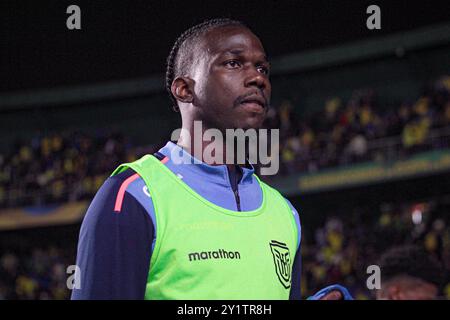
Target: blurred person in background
column 409, row 273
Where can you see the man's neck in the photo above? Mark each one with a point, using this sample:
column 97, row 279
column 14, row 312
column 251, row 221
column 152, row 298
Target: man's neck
column 195, row 145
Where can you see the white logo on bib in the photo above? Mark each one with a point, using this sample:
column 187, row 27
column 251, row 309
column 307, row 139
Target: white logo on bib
column 145, row 189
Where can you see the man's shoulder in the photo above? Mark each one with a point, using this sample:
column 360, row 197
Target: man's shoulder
column 128, row 182
column 119, row 178
column 125, row 191
column 274, row 190
column 116, row 204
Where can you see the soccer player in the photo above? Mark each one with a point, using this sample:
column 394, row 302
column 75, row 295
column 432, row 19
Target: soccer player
column 409, row 273
column 158, row 229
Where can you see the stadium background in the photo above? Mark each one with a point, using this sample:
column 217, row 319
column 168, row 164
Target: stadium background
column 364, row 117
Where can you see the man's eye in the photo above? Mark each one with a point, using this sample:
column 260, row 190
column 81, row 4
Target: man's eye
column 263, row 69
column 233, row 63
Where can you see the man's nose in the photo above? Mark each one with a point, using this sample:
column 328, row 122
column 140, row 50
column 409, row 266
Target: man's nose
column 255, row 78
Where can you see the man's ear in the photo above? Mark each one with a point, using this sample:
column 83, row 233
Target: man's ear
column 183, row 89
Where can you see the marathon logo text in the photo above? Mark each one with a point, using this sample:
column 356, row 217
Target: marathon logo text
column 218, row 254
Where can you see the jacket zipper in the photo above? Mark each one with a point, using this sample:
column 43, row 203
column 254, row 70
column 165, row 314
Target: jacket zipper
column 238, row 200
column 234, row 187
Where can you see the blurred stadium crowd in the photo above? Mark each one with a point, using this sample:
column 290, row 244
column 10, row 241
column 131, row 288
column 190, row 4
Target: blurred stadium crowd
column 362, row 130
column 37, row 274
column 71, row 166
column 61, row 167
column 347, row 244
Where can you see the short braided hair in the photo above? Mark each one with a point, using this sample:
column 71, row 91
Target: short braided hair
column 176, row 62
column 413, row 261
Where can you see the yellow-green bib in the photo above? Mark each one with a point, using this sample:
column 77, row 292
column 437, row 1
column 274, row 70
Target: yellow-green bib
column 204, row 251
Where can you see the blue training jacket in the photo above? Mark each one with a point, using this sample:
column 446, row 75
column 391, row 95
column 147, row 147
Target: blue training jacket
column 117, row 234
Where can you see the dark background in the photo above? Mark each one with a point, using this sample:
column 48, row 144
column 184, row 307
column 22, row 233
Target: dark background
column 131, row 39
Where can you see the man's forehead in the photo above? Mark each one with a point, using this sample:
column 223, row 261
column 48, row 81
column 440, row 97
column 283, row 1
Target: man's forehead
column 232, row 39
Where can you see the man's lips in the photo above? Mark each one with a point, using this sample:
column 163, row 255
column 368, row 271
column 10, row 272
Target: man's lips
column 253, row 106
column 255, row 101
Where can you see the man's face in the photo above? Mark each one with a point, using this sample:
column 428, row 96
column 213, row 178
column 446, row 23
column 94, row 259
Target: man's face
column 232, row 87
column 414, row 289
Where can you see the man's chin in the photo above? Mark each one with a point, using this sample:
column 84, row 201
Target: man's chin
column 255, row 126
column 255, row 122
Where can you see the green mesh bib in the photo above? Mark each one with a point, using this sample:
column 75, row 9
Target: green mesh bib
column 203, row 251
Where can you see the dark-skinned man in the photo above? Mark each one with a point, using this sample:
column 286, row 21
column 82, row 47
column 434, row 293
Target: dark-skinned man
column 410, row 273
column 202, row 228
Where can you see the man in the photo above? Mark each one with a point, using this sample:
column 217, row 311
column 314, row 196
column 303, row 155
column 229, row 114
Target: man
column 158, row 229
column 409, row 273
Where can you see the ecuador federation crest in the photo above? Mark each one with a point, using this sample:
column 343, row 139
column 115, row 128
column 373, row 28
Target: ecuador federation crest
column 282, row 261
